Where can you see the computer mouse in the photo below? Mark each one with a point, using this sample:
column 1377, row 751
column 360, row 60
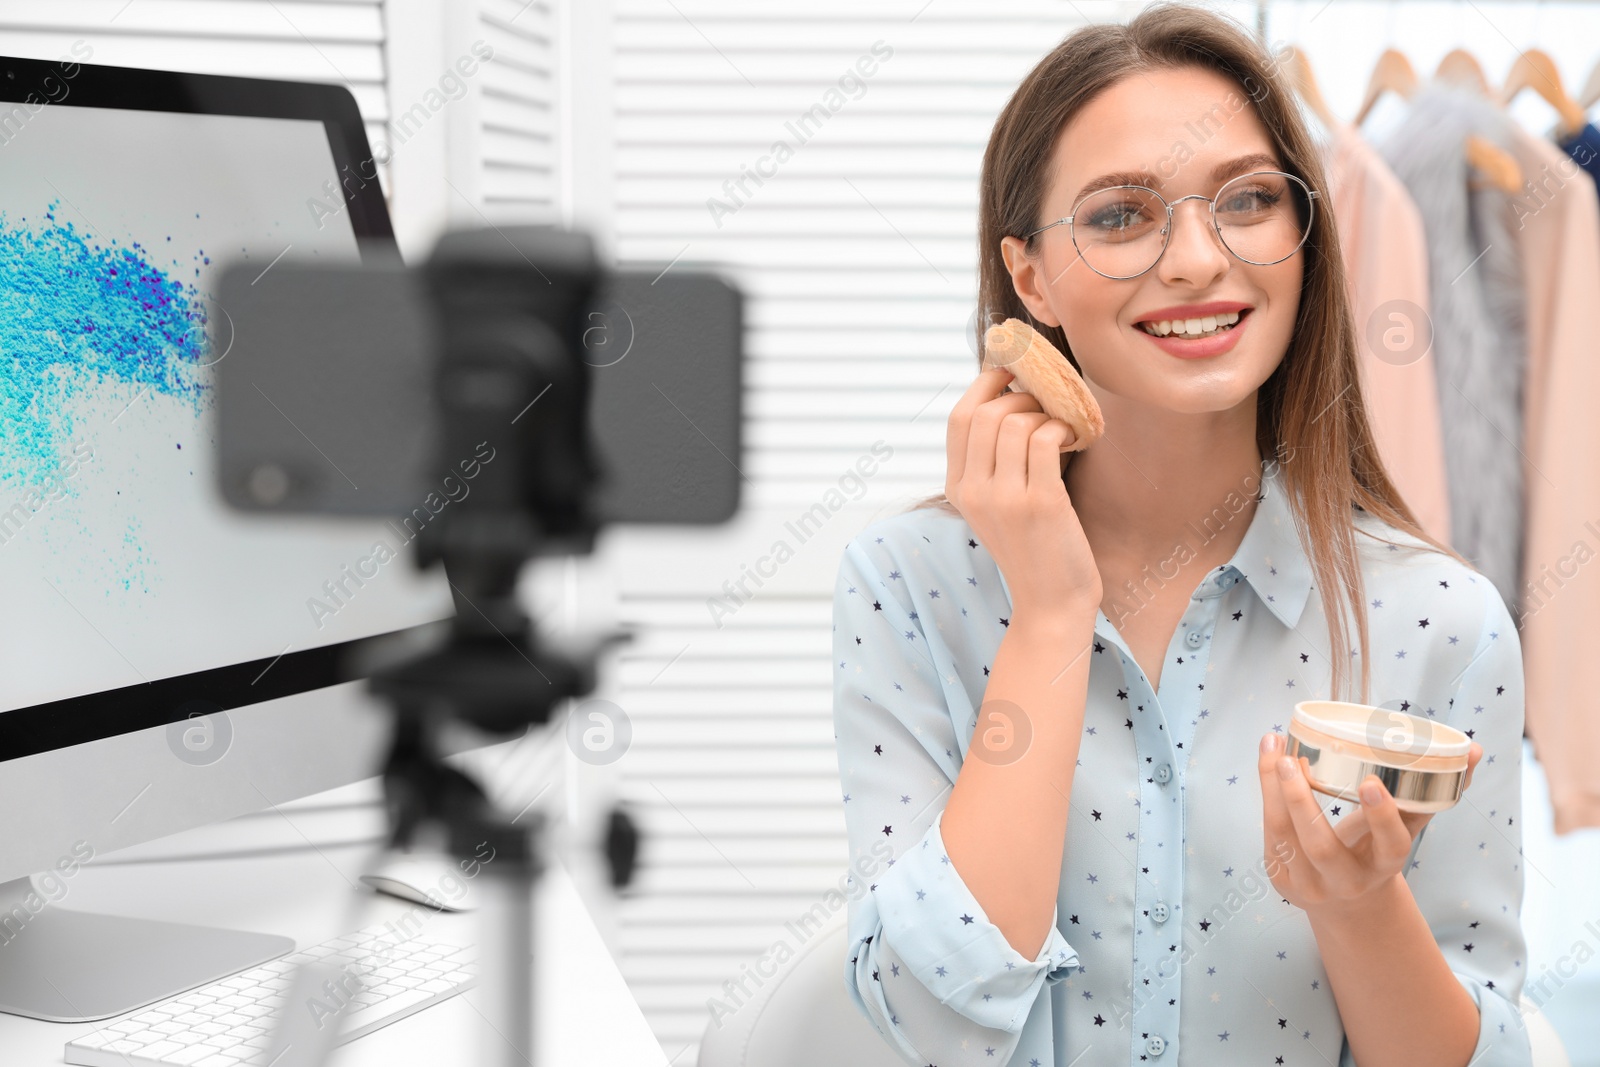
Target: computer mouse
column 429, row 881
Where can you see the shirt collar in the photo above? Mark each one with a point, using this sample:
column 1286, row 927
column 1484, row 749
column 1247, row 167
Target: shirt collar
column 1271, row 557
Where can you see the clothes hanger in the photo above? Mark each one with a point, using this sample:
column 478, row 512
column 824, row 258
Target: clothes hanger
column 1460, row 67
column 1534, row 69
column 1495, row 164
column 1499, row 167
column 1305, row 83
column 1393, row 71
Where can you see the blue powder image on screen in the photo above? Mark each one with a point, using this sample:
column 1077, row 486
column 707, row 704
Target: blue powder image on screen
column 77, row 316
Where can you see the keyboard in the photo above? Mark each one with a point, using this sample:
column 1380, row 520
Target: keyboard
column 229, row 1022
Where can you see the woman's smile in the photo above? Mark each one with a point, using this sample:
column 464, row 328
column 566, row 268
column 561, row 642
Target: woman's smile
column 1196, row 331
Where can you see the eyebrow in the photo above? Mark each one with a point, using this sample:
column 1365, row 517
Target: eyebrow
column 1221, row 172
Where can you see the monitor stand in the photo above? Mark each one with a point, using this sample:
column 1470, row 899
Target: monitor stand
column 70, row 966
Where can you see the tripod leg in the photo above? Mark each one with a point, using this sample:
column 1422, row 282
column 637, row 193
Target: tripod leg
column 506, row 946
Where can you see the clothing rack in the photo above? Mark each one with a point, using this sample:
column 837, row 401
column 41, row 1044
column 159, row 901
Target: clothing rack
column 1533, row 69
column 1453, row 470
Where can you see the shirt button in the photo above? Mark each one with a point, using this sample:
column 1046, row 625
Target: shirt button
column 1194, row 639
column 1156, row 1045
column 1158, row 911
column 1164, row 773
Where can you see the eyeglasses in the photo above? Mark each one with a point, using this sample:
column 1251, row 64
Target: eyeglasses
column 1121, row 232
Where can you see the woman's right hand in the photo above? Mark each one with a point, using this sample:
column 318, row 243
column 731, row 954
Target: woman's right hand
column 1003, row 472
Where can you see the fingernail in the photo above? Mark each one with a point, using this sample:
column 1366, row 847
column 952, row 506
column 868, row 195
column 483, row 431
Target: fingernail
column 1285, row 768
column 1371, row 793
column 1266, row 744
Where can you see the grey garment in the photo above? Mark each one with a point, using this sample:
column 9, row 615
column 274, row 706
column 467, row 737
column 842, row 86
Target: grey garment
column 1479, row 310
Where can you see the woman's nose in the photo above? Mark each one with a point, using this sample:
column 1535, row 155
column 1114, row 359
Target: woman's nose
column 1194, row 250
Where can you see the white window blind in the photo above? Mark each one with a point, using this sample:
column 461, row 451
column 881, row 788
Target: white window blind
column 476, row 98
column 518, row 117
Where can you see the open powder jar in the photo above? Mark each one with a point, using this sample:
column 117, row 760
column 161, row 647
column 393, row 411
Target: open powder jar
column 1422, row 763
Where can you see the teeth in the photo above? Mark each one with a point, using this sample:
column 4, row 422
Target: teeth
column 1204, row 326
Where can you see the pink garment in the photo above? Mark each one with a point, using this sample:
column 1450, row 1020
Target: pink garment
column 1386, row 258
column 1559, row 604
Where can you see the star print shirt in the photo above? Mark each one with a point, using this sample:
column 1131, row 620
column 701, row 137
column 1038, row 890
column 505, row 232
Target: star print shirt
column 1169, row 942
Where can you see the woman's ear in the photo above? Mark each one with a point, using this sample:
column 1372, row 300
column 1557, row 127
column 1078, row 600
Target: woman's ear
column 1027, row 279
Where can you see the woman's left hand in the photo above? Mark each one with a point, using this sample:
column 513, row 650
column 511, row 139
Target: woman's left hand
column 1315, row 864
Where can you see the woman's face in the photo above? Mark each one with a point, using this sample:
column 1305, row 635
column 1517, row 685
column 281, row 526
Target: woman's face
column 1184, row 130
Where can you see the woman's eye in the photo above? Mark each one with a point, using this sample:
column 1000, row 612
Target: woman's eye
column 1117, row 218
column 1249, row 202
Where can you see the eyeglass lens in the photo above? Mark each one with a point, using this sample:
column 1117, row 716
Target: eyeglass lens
column 1263, row 218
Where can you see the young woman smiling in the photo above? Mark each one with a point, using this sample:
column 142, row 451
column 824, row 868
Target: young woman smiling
column 1077, row 833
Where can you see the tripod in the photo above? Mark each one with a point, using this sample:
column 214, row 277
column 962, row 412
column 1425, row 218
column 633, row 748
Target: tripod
column 504, row 330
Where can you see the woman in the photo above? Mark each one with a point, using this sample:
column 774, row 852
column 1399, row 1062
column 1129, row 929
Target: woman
column 1066, row 632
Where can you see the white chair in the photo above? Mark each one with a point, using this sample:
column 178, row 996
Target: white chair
column 1548, row 1051
column 801, row 1016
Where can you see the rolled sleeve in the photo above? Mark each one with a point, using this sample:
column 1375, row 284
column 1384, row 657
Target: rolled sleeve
column 925, row 966
column 953, row 949
column 1502, row 1034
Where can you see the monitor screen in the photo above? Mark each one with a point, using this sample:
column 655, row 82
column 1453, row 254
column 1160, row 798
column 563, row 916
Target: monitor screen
column 120, row 565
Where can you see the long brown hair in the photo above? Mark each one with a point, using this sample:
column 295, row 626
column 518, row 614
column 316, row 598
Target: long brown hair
column 1310, row 414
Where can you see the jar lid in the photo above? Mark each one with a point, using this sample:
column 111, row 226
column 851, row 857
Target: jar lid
column 1382, row 729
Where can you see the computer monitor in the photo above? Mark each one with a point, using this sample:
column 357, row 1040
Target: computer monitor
column 164, row 662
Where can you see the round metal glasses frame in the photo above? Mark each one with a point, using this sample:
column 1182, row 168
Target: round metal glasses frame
column 1166, row 229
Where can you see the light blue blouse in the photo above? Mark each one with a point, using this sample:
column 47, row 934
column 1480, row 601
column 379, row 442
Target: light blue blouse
column 1169, row 941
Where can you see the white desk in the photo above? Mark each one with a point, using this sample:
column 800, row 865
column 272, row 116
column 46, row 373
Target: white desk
column 584, row 1013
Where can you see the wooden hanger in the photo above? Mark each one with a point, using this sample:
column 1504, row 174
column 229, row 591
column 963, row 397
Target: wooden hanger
column 1497, row 166
column 1534, row 69
column 1460, row 67
column 1305, row 83
column 1494, row 163
column 1392, row 72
